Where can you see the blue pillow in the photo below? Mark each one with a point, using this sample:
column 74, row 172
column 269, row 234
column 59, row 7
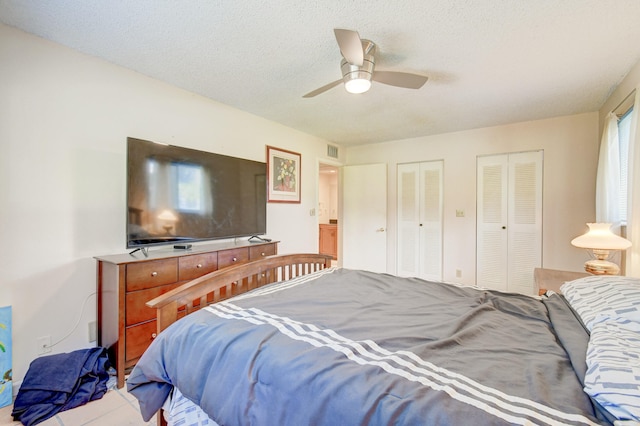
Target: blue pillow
column 597, row 294
column 613, row 364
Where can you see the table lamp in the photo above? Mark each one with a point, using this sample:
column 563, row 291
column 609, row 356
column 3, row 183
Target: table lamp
column 169, row 218
column 601, row 241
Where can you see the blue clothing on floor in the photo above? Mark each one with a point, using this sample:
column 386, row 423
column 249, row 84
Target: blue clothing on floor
column 60, row 382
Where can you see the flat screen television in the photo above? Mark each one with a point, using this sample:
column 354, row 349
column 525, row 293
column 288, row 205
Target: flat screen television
column 177, row 195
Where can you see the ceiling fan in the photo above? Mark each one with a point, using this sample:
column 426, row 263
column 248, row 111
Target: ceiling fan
column 358, row 67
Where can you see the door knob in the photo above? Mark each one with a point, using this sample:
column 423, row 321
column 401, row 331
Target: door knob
column 380, row 230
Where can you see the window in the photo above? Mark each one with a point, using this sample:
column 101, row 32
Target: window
column 624, row 133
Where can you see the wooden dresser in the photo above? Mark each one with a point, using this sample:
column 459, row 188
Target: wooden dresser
column 125, row 282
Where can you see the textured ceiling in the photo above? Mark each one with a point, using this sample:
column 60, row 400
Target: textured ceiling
column 489, row 62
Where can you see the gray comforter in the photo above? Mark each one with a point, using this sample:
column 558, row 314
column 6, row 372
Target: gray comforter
column 353, row 348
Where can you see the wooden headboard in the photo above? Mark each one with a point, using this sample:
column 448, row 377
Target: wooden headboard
column 225, row 283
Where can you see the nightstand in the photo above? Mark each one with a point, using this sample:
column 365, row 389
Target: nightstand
column 552, row 279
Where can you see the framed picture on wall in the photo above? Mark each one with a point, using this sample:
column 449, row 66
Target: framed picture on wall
column 283, row 175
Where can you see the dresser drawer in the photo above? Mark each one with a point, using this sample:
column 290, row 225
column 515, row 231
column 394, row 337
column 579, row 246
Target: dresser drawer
column 232, row 257
column 136, row 310
column 138, row 338
column 151, row 274
column 263, row 250
column 197, row 265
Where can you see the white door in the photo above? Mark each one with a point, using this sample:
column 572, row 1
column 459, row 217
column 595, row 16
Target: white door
column 525, row 220
column 491, row 257
column 408, row 262
column 420, row 224
column 364, row 217
column 509, row 221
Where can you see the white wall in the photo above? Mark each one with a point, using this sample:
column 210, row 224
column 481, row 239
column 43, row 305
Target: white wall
column 570, row 147
column 64, row 120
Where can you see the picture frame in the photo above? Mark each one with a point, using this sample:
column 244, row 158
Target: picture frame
column 283, row 175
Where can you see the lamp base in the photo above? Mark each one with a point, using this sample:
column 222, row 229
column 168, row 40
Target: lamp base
column 601, row 267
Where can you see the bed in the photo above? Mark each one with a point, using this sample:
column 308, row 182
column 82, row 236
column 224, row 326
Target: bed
column 288, row 340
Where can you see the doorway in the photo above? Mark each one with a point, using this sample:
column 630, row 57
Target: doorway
column 327, row 210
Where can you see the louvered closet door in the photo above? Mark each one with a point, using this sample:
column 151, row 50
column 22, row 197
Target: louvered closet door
column 408, row 262
column 525, row 220
column 492, row 248
column 431, row 220
column 509, row 221
column 420, row 205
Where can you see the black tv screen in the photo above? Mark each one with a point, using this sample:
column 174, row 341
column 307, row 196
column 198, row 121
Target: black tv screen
column 177, row 195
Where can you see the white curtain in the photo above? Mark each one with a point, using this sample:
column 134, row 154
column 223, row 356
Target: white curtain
column 633, row 207
column 608, row 177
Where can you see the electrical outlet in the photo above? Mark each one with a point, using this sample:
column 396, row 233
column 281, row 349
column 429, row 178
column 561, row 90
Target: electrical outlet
column 459, row 213
column 458, row 273
column 44, row 344
column 92, row 331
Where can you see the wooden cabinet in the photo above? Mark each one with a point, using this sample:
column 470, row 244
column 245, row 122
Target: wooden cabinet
column 126, row 326
column 329, row 240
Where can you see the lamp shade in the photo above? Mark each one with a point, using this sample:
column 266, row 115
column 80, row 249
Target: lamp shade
column 168, row 216
column 600, row 237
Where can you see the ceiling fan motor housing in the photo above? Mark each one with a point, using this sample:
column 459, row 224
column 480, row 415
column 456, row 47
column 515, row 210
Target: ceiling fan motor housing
column 364, row 72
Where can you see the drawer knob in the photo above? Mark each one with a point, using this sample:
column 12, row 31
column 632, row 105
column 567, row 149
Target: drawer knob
column 154, row 274
column 153, row 335
column 262, row 254
column 234, row 259
column 199, row 265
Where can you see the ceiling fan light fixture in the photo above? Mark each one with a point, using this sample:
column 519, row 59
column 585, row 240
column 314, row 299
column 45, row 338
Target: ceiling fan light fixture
column 357, row 79
column 357, row 85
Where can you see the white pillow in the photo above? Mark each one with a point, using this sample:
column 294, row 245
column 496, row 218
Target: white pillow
column 590, row 296
column 613, row 364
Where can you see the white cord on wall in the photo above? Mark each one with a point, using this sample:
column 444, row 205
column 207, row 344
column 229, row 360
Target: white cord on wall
column 76, row 324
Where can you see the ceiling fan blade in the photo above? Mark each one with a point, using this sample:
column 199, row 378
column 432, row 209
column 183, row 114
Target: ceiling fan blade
column 350, row 46
column 323, row 89
column 400, row 79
